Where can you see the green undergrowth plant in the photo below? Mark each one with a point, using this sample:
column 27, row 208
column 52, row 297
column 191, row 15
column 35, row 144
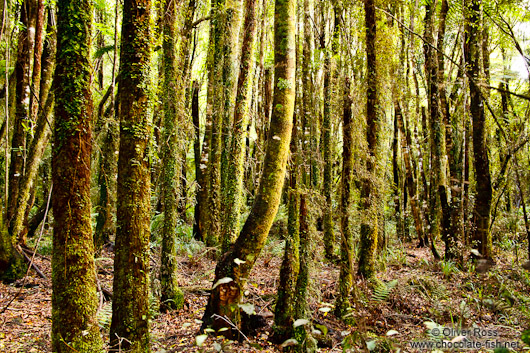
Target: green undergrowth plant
column 448, row 268
column 382, row 290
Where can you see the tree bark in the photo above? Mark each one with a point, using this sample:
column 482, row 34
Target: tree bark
column 21, row 121
column 73, row 268
column 481, row 212
column 44, row 122
column 174, row 20
column 369, row 224
column 342, row 303
column 236, row 170
column 130, row 305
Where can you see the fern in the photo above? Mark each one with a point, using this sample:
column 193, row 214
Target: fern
column 382, row 290
column 104, row 316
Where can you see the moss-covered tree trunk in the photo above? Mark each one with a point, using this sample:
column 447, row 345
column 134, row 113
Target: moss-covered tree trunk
column 22, row 118
column 284, row 312
column 210, row 195
column 174, row 39
column 37, row 60
column 342, row 303
column 130, row 305
column 327, row 155
column 452, row 216
column 396, row 178
column 74, row 299
column 234, row 184
column 108, row 168
column 369, row 204
column 199, row 176
column 481, row 212
column 225, row 297
column 229, row 90
column 302, row 333
column 108, row 163
column 44, row 121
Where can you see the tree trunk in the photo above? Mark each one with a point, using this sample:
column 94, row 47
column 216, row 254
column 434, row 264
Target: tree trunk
column 130, row 305
column 42, row 131
column 452, row 217
column 342, row 303
column 327, row 155
column 225, row 297
column 369, row 223
column 284, row 313
column 18, row 141
column 37, row 62
column 199, row 177
column 174, row 20
column 73, row 281
column 481, row 212
column 236, row 168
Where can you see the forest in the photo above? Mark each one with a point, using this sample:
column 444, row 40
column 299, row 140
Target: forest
column 264, row 176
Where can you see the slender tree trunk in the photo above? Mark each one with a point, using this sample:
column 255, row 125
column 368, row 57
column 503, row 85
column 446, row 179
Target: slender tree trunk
column 397, row 183
column 73, row 281
column 284, row 313
column 108, row 164
column 305, row 342
column 199, row 177
column 411, row 182
column 174, row 20
column 37, row 62
column 18, row 141
column 225, row 297
column 130, row 305
column 342, row 303
column 229, row 87
column 369, row 224
column 236, row 168
column 481, row 211
column 452, row 217
column 327, row 155
column 41, row 134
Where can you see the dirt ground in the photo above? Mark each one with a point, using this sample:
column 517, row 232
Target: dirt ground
column 413, row 298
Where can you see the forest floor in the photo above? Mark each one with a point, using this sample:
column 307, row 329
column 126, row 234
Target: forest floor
column 413, row 300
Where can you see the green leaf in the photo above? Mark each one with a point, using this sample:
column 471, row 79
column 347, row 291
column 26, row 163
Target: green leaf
column 322, row 328
column 300, row 322
column 199, row 340
column 289, row 342
column 371, row 345
column 247, row 308
column 239, row 261
column 222, row 281
column 525, row 337
column 501, row 350
column 392, row 333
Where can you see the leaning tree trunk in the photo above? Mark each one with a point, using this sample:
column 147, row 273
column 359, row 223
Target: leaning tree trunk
column 481, row 212
column 73, row 268
column 130, row 304
column 235, row 266
column 369, row 223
